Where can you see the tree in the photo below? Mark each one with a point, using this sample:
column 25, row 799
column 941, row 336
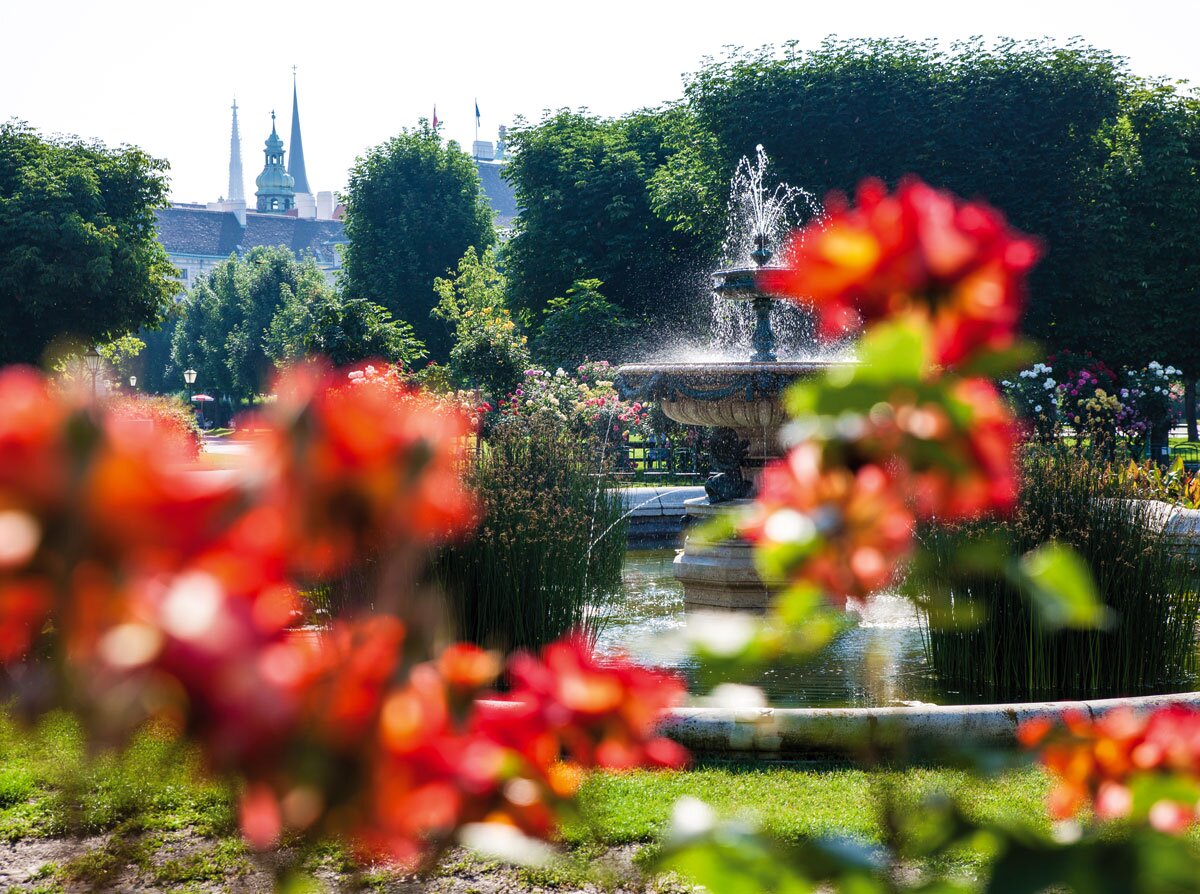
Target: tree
column 156, row 371
column 343, row 330
column 580, row 325
column 78, row 257
column 581, row 182
column 413, row 207
column 1012, row 122
column 489, row 351
column 1147, row 291
column 222, row 330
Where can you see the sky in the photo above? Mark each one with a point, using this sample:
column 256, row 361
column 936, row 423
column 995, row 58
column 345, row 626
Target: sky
column 161, row 74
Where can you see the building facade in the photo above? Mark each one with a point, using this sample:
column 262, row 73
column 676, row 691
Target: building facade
column 198, row 237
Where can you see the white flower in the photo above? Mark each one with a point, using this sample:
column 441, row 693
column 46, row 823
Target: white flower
column 1157, row 390
column 1172, row 371
column 559, row 373
column 1154, row 364
column 1006, row 384
column 1038, row 408
column 1048, row 384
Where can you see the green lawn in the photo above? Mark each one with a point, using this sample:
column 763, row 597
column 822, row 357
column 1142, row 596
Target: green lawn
column 153, row 794
column 792, row 802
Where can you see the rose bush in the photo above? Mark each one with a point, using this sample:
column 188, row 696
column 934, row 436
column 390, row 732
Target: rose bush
column 133, row 586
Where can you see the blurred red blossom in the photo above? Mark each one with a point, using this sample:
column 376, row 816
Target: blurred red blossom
column 958, row 454
column 155, row 588
column 917, row 250
column 844, row 529
column 418, row 761
column 360, row 465
column 1108, row 764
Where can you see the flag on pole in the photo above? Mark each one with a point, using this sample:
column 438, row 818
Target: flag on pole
column 476, row 113
column 435, row 121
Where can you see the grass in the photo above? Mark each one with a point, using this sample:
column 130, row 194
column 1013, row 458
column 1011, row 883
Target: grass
column 984, row 639
column 791, row 802
column 171, row 827
column 50, row 785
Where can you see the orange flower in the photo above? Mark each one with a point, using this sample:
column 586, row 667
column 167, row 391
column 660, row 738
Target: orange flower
column 958, row 456
column 24, row 607
column 1098, row 763
column 359, row 467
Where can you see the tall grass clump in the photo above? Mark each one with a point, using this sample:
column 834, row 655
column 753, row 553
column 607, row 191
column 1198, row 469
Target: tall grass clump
column 984, row 641
column 547, row 554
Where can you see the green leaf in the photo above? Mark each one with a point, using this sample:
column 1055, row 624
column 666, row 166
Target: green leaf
column 893, row 353
column 993, row 364
column 1059, row 583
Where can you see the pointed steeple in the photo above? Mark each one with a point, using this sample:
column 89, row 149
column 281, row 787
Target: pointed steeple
column 237, row 185
column 296, row 146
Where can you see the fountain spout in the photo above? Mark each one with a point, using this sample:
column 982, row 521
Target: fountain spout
column 762, row 252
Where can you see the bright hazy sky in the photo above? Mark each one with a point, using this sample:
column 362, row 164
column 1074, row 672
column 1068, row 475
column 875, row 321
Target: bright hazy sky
column 160, row 74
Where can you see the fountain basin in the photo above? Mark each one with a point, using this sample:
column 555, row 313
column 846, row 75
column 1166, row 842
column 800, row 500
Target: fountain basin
column 743, row 401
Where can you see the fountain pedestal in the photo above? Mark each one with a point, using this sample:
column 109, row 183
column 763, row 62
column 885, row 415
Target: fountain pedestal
column 743, row 400
column 722, row 575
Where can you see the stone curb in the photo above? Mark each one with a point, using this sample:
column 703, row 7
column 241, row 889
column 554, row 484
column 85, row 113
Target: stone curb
column 898, row 733
column 765, row 733
column 658, row 501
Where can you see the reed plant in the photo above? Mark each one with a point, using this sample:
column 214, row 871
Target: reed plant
column 984, row 641
column 547, row 555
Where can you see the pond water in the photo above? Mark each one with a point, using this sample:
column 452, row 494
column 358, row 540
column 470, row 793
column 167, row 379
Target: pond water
column 879, row 661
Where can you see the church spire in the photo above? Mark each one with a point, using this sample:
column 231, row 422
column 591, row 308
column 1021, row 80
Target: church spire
column 296, row 146
column 237, row 185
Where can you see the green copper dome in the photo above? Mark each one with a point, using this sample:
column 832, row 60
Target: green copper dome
column 276, row 187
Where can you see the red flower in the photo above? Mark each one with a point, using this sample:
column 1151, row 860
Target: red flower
column 958, row 457
column 361, row 467
column 845, row 530
column 917, row 250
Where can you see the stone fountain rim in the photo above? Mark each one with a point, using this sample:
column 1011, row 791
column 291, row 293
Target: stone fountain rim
column 766, row 733
column 731, row 367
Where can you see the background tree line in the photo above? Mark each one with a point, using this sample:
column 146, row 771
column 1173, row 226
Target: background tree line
column 1101, row 164
column 622, row 218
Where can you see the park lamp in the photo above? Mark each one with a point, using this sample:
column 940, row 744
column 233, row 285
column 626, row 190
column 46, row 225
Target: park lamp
column 189, row 376
column 133, row 381
column 91, row 360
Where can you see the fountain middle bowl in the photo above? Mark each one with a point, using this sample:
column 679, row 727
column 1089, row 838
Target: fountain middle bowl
column 743, row 396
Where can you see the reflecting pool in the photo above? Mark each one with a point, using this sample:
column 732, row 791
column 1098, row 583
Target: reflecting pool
column 879, row 661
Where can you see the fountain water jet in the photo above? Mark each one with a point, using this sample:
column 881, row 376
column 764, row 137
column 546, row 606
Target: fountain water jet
column 740, row 399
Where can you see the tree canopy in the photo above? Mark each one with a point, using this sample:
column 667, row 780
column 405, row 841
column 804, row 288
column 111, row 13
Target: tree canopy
column 580, row 325
column 489, row 351
column 222, row 330
column 1102, row 166
column 582, row 184
column 413, row 207
column 78, row 256
column 323, row 323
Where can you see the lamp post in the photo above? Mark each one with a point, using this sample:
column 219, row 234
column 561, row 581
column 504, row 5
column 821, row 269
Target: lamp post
column 92, row 360
column 133, row 382
column 189, row 376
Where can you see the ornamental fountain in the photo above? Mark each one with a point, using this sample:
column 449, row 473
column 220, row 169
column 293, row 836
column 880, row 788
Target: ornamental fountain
column 740, row 398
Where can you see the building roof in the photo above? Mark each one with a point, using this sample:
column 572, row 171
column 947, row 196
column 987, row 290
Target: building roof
column 217, row 234
column 301, row 235
column 197, row 231
column 499, row 192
